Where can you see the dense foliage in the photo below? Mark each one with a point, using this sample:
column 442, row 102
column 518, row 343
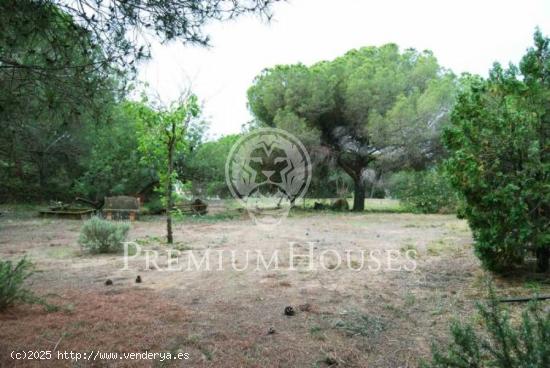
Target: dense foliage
column 65, row 68
column 206, row 167
column 500, row 159
column 12, row 279
column 53, row 90
column 114, row 164
column 162, row 133
column 103, row 236
column 375, row 104
column 426, row 191
column 503, row 345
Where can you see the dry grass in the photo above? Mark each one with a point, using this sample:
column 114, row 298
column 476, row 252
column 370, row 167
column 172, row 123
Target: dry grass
column 224, row 318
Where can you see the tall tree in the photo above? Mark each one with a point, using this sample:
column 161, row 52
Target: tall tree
column 119, row 29
column 374, row 104
column 50, row 87
column 114, row 164
column 500, row 159
column 167, row 126
column 64, row 63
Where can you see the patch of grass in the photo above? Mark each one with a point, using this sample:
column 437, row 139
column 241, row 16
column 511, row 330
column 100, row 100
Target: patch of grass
column 175, row 347
column 458, row 226
column 330, row 360
column 410, row 249
column 314, row 330
column 192, row 340
column 423, row 225
column 132, row 249
column 359, row 324
column 410, row 299
column 20, row 211
column 150, row 240
column 181, row 246
column 195, row 341
column 439, row 247
column 371, row 205
column 384, row 205
column 158, row 240
column 439, row 305
column 60, row 252
column 219, row 242
column 212, row 218
column 533, row 286
column 396, row 311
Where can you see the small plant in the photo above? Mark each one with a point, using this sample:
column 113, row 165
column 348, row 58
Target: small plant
column 358, row 324
column 12, row 278
column 410, row 250
column 442, row 246
column 503, row 345
column 317, row 332
column 102, row 236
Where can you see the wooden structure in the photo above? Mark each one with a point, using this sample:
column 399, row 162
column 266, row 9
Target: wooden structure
column 121, row 207
column 196, row 207
column 68, row 212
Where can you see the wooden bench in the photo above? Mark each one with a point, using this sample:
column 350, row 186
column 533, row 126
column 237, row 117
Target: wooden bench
column 70, row 213
column 121, row 207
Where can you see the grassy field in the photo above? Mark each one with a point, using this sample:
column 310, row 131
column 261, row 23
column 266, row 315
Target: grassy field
column 371, row 204
column 385, row 316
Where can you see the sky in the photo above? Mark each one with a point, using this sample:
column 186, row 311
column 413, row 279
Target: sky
column 465, row 36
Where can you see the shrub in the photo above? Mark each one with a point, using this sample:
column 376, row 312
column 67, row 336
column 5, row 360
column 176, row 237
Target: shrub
column 341, row 204
column 424, row 191
column 359, row 324
column 153, row 207
column 102, row 236
column 503, row 345
column 500, row 162
column 12, row 278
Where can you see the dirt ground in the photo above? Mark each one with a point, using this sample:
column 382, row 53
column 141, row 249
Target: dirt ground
column 387, row 314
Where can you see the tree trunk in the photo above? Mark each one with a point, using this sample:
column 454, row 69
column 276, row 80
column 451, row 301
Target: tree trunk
column 543, row 259
column 169, row 200
column 359, row 195
column 356, row 171
column 42, row 176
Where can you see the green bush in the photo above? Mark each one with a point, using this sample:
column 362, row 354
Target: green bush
column 12, row 278
column 500, row 162
column 502, row 345
column 154, row 207
column 424, row 191
column 341, row 204
column 102, row 236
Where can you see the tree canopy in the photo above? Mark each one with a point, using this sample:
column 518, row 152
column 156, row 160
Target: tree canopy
column 500, row 158
column 64, row 72
column 372, row 105
column 161, row 134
